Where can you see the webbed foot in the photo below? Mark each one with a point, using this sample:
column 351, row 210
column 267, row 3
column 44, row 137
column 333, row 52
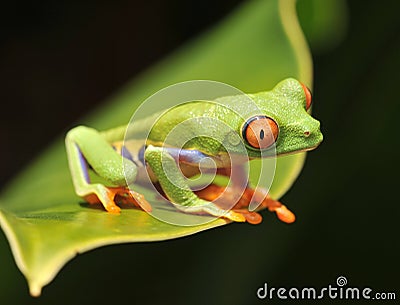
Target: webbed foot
column 109, row 197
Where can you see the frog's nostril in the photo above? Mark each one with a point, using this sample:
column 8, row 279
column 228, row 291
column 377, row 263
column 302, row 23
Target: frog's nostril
column 307, row 133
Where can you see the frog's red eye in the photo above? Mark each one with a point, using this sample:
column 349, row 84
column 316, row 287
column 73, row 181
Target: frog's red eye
column 308, row 94
column 260, row 132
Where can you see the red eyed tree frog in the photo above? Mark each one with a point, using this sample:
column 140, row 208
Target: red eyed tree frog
column 283, row 122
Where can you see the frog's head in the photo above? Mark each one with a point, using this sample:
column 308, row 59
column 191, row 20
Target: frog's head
column 284, row 121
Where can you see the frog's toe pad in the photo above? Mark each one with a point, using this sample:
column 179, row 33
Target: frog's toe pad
column 141, row 201
column 284, row 214
column 253, row 218
column 235, row 216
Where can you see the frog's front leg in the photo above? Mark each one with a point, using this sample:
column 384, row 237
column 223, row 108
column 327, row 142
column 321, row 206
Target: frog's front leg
column 86, row 146
column 176, row 188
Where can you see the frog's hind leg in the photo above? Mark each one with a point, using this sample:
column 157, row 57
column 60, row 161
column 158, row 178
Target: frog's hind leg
column 86, row 146
column 281, row 211
column 220, row 194
column 213, row 193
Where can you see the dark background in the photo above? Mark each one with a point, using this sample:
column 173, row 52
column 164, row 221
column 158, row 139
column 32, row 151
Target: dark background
column 60, row 59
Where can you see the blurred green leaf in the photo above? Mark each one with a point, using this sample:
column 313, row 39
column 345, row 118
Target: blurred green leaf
column 257, row 46
column 324, row 22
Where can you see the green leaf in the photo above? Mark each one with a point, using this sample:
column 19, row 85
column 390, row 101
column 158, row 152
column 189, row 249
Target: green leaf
column 47, row 224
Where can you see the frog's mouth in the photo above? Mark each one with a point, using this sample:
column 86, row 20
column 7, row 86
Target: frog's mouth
column 297, row 151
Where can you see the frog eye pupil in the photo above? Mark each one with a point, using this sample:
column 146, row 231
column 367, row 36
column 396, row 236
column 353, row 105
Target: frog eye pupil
column 262, row 134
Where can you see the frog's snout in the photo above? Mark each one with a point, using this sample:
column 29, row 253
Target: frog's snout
column 312, row 133
column 311, row 129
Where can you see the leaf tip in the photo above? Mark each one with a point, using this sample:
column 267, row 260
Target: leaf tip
column 35, row 290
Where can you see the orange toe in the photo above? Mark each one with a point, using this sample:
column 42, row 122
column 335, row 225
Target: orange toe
column 285, row 215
